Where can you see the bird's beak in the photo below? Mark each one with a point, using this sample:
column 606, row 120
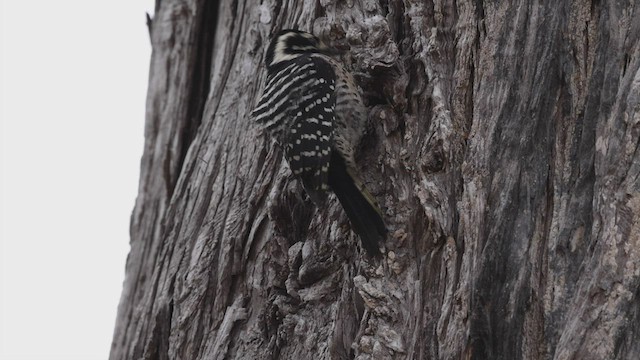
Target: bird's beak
column 331, row 51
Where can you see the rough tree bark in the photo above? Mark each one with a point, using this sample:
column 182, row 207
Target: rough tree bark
column 503, row 146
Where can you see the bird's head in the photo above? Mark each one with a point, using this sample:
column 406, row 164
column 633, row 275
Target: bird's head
column 289, row 44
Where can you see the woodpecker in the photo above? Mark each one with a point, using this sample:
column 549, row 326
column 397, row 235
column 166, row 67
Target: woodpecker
column 314, row 110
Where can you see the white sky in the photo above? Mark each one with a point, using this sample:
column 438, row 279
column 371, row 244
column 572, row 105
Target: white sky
column 74, row 77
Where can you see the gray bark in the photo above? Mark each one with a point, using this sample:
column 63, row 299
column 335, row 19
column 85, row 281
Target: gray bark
column 503, row 146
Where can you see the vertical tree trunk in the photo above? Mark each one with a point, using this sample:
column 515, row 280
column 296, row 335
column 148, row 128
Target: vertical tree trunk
column 503, row 146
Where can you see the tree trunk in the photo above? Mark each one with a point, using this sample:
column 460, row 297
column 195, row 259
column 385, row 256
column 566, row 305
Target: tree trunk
column 503, row 146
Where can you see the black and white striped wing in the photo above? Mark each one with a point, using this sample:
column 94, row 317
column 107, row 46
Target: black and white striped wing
column 298, row 108
column 309, row 141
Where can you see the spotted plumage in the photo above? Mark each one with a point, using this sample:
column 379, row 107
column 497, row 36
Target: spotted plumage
column 313, row 109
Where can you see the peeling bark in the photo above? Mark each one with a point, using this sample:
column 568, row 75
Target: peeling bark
column 503, row 146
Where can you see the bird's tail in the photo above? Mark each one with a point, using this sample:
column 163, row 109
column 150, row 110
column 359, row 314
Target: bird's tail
column 361, row 208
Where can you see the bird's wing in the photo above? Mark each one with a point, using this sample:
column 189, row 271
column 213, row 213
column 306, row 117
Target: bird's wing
column 309, row 141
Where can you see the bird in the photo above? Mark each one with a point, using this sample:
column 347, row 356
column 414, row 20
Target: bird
column 314, row 110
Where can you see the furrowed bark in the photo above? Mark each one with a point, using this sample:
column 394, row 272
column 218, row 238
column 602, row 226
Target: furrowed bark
column 503, row 147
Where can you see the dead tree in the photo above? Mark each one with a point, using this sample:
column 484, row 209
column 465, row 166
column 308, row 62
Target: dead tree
column 503, row 146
